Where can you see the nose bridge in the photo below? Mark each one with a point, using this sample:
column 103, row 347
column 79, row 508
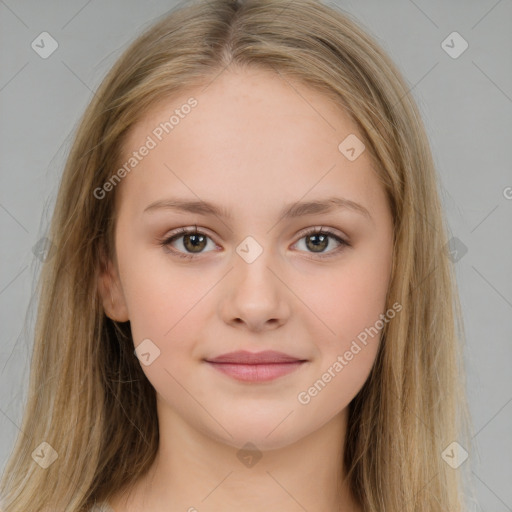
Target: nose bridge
column 255, row 295
column 252, row 264
column 251, row 250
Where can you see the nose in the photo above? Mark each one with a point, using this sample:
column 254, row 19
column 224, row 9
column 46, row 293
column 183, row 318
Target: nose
column 255, row 297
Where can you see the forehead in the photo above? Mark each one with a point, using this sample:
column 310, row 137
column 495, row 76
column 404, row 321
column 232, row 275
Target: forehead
column 252, row 138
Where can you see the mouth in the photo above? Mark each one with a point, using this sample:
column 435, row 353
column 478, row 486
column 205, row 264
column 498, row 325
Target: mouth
column 256, row 367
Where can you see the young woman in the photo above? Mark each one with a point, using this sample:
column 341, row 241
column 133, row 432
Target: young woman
column 250, row 302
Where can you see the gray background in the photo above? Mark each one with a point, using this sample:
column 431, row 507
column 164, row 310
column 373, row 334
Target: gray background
column 466, row 103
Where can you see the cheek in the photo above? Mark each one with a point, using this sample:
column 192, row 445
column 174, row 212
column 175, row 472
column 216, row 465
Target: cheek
column 346, row 339
column 347, row 323
column 347, row 299
column 160, row 295
column 165, row 307
column 333, row 390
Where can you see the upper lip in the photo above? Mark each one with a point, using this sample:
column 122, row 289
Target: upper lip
column 265, row 357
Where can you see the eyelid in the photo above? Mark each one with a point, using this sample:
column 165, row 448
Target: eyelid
column 176, row 234
column 303, row 232
column 324, row 229
column 342, row 239
column 188, row 230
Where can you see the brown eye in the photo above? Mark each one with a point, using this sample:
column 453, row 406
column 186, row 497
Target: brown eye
column 192, row 241
column 318, row 240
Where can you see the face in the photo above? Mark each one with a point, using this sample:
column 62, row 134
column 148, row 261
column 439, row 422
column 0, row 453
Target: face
column 309, row 284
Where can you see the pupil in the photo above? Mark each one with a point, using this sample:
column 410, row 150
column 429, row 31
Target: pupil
column 319, row 238
column 317, row 241
column 195, row 240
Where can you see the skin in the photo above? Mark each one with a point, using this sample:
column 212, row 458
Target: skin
column 253, row 144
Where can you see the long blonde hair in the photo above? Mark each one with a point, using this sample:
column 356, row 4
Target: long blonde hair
column 88, row 397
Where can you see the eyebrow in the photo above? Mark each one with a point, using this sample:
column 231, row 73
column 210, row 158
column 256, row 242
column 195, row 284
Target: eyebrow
column 292, row 210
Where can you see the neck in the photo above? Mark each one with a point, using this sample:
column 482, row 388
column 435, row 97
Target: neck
column 193, row 472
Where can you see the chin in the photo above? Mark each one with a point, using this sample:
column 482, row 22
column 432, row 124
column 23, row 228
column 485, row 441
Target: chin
column 271, row 433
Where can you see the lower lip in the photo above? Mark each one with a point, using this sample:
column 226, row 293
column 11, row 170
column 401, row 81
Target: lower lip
column 256, row 372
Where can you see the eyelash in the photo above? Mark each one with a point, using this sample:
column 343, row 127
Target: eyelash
column 194, row 231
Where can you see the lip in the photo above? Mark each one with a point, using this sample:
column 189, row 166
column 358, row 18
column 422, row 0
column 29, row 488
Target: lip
column 245, row 357
column 256, row 367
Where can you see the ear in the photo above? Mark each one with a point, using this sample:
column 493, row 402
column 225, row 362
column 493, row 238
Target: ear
column 110, row 290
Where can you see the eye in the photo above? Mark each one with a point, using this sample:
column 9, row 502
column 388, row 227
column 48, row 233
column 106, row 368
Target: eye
column 318, row 240
column 193, row 240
